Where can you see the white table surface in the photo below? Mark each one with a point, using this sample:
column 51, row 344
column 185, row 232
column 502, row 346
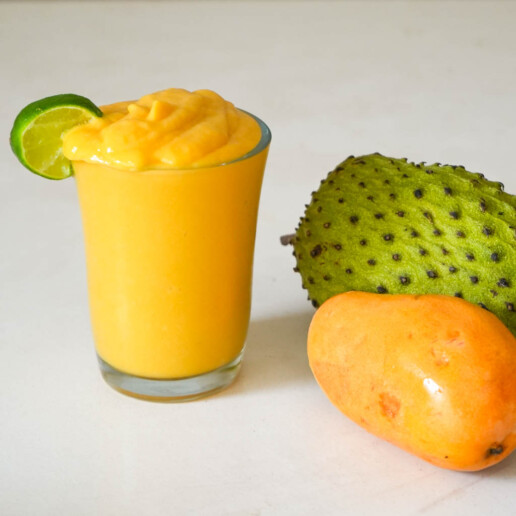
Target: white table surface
column 432, row 81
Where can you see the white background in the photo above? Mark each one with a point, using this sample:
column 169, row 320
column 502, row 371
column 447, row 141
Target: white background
column 431, row 81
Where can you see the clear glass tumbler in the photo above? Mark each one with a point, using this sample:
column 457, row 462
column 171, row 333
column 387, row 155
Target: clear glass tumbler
column 169, row 258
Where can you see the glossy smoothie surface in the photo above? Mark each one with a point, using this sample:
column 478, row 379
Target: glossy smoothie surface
column 172, row 128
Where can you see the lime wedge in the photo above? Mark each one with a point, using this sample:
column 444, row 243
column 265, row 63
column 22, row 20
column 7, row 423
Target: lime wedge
column 37, row 133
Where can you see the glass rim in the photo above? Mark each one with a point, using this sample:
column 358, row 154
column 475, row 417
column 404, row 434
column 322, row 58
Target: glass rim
column 265, row 139
column 262, row 144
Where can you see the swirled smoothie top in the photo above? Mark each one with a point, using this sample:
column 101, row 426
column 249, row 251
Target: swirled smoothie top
column 173, row 128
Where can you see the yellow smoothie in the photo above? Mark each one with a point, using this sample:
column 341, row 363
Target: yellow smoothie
column 169, row 188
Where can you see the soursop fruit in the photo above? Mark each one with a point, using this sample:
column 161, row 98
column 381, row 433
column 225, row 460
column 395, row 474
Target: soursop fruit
column 378, row 224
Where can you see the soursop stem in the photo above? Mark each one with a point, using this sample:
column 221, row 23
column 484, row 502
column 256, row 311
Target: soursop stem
column 287, row 239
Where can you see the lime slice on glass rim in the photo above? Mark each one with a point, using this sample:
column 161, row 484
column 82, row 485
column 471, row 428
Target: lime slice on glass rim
column 36, row 136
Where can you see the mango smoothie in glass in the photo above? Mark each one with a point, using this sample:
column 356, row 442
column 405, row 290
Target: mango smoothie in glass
column 169, row 187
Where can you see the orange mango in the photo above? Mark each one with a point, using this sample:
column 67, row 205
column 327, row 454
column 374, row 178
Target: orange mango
column 434, row 375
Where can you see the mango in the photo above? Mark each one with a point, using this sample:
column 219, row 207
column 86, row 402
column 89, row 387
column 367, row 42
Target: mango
column 435, row 375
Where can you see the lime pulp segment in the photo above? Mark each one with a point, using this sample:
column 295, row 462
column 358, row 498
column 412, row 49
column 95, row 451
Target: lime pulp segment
column 37, row 134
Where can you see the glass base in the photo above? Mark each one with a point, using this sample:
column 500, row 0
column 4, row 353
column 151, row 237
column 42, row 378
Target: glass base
column 174, row 390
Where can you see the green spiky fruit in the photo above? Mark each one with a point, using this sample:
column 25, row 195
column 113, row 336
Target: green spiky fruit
column 378, row 224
